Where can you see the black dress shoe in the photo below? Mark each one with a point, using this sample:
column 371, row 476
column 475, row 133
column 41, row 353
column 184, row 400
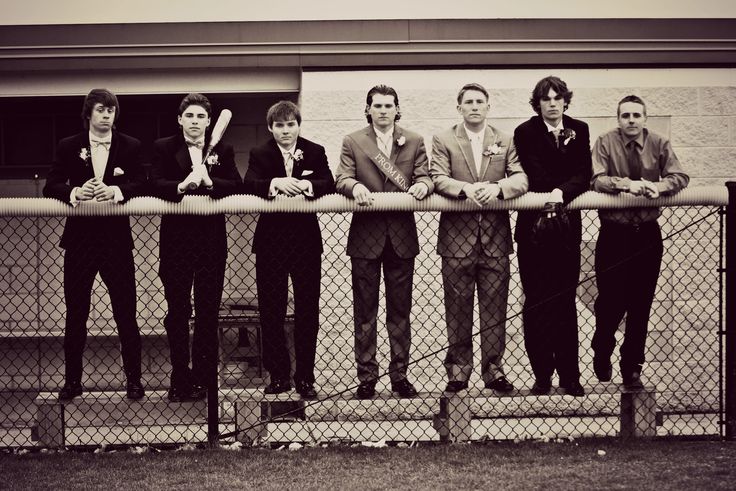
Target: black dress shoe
column 573, row 389
column 456, row 385
column 134, row 390
column 180, row 394
column 70, row 391
column 366, row 390
column 404, row 388
column 501, row 384
column 602, row 368
column 198, row 392
column 632, row 381
column 306, row 390
column 277, row 387
column 541, row 387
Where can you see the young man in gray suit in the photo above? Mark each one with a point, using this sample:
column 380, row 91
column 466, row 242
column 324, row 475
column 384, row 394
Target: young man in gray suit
column 475, row 161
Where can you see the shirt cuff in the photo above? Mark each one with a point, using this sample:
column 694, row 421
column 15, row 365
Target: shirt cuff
column 73, row 197
column 310, row 191
column 556, row 196
column 272, row 190
column 118, row 194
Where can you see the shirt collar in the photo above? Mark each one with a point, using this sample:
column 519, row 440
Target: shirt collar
column 198, row 140
column 289, row 151
column 475, row 135
column 384, row 135
column 103, row 139
column 559, row 127
column 639, row 139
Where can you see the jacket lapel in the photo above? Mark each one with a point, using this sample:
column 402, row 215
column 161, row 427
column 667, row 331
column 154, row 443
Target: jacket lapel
column 110, row 164
column 489, row 138
column 182, row 155
column 395, row 148
column 279, row 170
column 467, row 150
column 89, row 170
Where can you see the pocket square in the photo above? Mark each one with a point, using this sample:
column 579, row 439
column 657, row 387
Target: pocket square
column 118, row 172
column 307, row 172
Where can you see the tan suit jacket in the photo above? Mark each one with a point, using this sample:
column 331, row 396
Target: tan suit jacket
column 452, row 167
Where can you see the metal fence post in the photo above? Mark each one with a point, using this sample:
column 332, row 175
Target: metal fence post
column 730, row 321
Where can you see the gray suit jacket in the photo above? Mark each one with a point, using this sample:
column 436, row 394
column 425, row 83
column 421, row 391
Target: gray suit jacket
column 452, row 167
column 369, row 230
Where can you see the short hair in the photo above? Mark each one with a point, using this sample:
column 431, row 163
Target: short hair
column 472, row 86
column 542, row 90
column 283, row 111
column 382, row 90
column 195, row 99
column 102, row 96
column 631, row 98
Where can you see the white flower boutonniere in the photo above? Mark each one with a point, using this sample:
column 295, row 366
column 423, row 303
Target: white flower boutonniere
column 85, row 154
column 492, row 149
column 401, row 140
column 213, row 159
column 298, row 155
column 567, row 135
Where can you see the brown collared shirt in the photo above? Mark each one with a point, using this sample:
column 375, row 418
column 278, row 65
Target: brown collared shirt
column 611, row 172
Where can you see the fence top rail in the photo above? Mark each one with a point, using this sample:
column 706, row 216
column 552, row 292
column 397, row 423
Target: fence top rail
column 235, row 204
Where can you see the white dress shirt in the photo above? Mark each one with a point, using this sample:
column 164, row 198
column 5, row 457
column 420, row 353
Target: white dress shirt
column 100, row 152
column 476, row 143
column 385, row 140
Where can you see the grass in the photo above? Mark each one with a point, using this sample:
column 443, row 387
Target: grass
column 656, row 464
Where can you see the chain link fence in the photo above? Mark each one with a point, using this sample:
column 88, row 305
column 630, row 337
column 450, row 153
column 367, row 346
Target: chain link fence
column 682, row 375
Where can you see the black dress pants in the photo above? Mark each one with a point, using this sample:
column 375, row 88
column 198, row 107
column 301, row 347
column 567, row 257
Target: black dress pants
column 549, row 276
column 115, row 265
column 627, row 264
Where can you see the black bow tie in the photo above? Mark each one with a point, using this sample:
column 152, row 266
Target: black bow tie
column 198, row 144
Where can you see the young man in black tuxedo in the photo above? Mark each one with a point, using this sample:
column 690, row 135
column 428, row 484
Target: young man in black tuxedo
column 193, row 248
column 100, row 165
column 554, row 150
column 288, row 244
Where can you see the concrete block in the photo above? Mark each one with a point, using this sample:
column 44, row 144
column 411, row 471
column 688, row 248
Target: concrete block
column 707, row 161
column 717, row 100
column 674, row 101
column 453, row 420
column 701, row 131
column 638, row 413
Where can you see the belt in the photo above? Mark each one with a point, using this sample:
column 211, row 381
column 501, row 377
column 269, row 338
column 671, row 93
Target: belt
column 631, row 227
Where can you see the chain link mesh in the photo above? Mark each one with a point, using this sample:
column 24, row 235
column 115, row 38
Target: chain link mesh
column 683, row 350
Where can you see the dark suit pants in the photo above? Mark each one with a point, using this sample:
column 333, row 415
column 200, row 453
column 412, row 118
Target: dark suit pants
column 115, row 265
column 460, row 276
column 627, row 263
column 549, row 277
column 272, row 277
column 201, row 267
column 398, row 277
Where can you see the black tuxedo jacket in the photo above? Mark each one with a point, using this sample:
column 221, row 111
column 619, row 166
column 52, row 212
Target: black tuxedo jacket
column 288, row 231
column 70, row 170
column 171, row 164
column 548, row 167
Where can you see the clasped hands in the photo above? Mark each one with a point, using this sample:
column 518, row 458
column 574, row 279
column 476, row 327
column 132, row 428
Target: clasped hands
column 94, row 189
column 644, row 188
column 196, row 178
column 482, row 193
column 364, row 197
column 290, row 186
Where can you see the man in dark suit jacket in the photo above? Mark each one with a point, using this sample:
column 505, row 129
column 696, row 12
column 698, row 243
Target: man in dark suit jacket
column 288, row 244
column 100, row 165
column 555, row 153
column 193, row 248
column 475, row 161
column 388, row 239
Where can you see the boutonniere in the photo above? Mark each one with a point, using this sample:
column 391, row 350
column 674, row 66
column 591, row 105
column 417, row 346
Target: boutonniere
column 401, row 140
column 298, row 155
column 492, row 149
column 567, row 135
column 212, row 159
column 85, row 154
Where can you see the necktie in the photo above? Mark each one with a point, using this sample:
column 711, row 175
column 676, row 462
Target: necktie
column 198, row 144
column 98, row 143
column 556, row 134
column 289, row 164
column 385, row 146
column 634, row 160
